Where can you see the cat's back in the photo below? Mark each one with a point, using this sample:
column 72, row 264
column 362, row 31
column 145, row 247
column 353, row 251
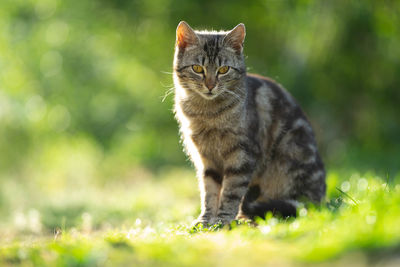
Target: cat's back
column 276, row 119
column 287, row 141
column 272, row 106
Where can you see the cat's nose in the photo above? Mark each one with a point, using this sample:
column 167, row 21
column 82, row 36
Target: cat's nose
column 210, row 82
column 210, row 86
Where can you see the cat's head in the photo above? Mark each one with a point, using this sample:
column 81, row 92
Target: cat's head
column 209, row 64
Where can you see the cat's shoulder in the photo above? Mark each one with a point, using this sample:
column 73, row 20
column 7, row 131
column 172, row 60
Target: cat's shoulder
column 255, row 80
column 258, row 84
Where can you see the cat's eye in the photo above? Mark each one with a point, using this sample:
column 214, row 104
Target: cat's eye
column 223, row 70
column 197, row 68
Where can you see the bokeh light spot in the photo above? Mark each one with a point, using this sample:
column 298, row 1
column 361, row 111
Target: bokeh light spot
column 51, row 63
column 57, row 33
column 345, row 186
column 362, row 184
column 59, row 118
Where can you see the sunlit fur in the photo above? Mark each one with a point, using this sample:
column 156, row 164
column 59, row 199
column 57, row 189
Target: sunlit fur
column 253, row 148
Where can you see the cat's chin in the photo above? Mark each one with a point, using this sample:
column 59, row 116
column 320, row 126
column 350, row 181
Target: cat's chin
column 209, row 96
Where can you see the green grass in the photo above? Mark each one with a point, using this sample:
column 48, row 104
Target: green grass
column 146, row 222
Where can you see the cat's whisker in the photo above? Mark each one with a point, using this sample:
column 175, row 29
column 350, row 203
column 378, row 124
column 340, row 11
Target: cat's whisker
column 167, row 72
column 166, row 85
column 167, row 93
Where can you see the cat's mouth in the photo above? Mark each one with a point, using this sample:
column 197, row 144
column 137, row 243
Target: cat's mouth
column 209, row 95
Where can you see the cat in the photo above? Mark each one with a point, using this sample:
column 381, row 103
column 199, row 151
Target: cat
column 252, row 146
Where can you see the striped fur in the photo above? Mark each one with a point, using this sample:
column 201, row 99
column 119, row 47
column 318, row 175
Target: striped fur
column 253, row 148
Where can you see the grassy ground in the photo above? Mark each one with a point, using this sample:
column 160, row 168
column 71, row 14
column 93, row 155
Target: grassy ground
column 146, row 223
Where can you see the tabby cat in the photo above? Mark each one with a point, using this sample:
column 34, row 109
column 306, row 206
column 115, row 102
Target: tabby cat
column 252, row 146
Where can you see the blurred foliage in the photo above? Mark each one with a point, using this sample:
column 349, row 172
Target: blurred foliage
column 358, row 227
column 82, row 82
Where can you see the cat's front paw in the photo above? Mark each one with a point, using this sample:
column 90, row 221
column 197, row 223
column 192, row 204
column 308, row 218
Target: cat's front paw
column 202, row 221
column 222, row 220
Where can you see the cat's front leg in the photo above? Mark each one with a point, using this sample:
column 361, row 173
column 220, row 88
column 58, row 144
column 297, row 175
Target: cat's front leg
column 210, row 187
column 234, row 187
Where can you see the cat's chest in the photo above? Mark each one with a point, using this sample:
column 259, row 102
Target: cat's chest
column 212, row 141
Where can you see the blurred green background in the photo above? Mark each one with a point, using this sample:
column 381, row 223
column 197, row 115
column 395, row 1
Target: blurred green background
column 83, row 85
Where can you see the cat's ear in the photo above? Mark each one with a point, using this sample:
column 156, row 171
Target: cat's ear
column 185, row 36
column 235, row 38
